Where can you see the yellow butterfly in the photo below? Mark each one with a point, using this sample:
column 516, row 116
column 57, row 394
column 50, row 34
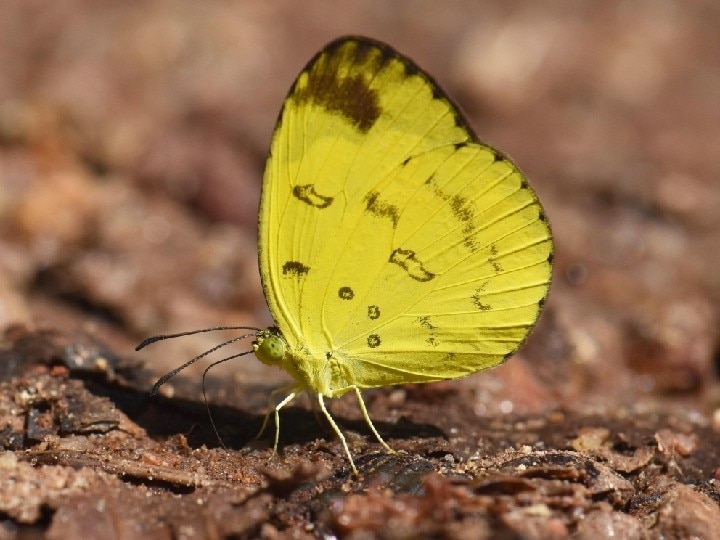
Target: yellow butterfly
column 394, row 246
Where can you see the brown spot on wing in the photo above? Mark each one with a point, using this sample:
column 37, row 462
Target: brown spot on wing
column 294, row 268
column 477, row 298
column 493, row 259
column 462, row 210
column 307, row 194
column 406, row 259
column 382, row 209
column 346, row 293
column 335, row 83
column 424, row 321
column 429, row 327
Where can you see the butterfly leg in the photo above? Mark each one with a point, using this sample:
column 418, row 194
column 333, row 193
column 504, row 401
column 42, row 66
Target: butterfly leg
column 270, row 407
column 337, row 431
column 363, row 408
column 279, row 406
column 316, row 412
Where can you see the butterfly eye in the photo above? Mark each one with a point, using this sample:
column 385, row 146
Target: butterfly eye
column 269, row 349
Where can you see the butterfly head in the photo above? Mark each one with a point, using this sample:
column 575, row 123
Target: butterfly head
column 311, row 370
column 270, row 347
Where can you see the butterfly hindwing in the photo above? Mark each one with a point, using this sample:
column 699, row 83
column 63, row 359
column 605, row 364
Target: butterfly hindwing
column 471, row 271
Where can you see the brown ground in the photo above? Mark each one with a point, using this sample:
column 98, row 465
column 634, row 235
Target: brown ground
column 132, row 142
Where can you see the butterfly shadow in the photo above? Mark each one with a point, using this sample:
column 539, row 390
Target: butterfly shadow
column 237, row 428
column 237, row 425
column 212, row 425
column 404, row 428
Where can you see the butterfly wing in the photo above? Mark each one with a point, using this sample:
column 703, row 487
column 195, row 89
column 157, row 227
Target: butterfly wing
column 391, row 239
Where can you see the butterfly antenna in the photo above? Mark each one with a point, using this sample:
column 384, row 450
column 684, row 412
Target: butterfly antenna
column 207, row 405
column 169, row 375
column 153, row 339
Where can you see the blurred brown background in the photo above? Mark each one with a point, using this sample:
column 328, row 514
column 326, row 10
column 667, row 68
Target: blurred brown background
column 133, row 137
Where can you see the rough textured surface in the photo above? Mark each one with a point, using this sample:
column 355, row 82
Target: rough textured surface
column 132, row 143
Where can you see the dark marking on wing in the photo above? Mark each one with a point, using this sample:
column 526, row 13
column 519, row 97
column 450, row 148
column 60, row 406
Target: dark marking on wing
column 431, row 339
column 338, row 79
column 295, row 268
column 462, row 209
column 373, row 312
column 307, row 194
column 330, row 85
column 382, row 209
column 493, row 261
column 551, row 258
column 477, row 298
column 373, row 341
column 449, row 357
column 346, row 293
column 406, row 259
column 424, row 321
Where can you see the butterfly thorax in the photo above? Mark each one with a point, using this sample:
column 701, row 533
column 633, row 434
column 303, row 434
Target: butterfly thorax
column 319, row 372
